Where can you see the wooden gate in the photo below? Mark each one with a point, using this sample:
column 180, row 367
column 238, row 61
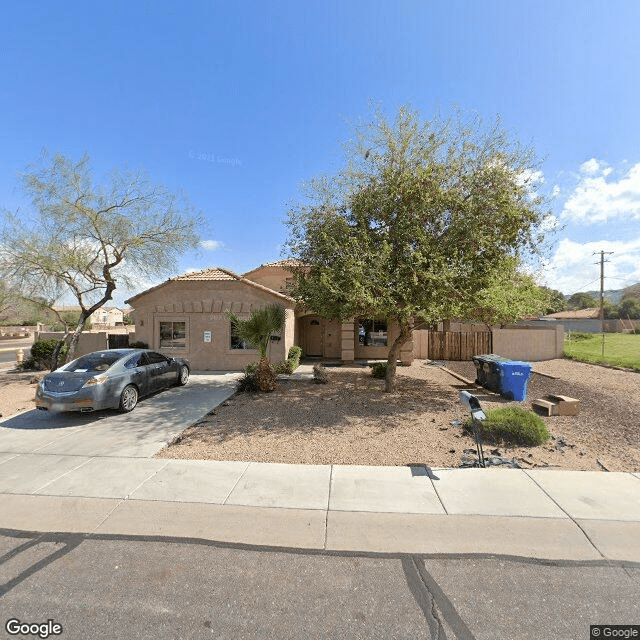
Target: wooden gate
column 449, row 345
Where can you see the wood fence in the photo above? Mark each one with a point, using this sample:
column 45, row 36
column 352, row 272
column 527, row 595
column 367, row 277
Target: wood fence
column 449, row 345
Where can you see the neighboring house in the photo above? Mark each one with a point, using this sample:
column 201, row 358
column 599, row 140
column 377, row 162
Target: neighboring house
column 186, row 316
column 108, row 316
column 588, row 321
column 592, row 313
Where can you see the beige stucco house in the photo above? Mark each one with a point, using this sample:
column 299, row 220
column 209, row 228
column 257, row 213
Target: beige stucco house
column 186, row 316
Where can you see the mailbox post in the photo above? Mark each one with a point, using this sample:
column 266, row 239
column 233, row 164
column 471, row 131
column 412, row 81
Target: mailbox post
column 472, row 403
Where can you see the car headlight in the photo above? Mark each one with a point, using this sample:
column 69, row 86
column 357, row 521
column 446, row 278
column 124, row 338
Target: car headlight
column 94, row 381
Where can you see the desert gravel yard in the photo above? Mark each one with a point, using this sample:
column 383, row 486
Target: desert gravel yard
column 351, row 421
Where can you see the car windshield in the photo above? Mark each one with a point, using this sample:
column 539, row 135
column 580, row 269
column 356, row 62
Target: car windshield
column 94, row 362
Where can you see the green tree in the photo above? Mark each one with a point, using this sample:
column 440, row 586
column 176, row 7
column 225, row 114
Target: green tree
column 510, row 296
column 556, row 300
column 629, row 308
column 84, row 238
column 423, row 217
column 257, row 331
column 582, row 300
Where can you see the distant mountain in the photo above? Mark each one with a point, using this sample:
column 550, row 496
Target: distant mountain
column 614, row 296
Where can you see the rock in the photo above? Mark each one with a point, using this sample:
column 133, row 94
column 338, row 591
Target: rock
column 452, row 450
column 496, row 452
column 441, row 428
column 472, row 452
column 456, row 423
column 601, row 465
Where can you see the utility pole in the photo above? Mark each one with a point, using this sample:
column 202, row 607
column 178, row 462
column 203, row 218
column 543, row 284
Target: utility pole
column 602, row 261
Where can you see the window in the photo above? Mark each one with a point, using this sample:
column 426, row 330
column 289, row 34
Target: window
column 173, row 335
column 236, row 343
column 372, row 333
column 139, row 360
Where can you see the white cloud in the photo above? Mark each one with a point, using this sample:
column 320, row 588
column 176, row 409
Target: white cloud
column 211, row 245
column 590, row 167
column 596, row 200
column 576, row 266
column 555, row 192
column 530, row 177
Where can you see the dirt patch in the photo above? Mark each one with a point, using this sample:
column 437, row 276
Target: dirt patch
column 17, row 392
column 351, row 421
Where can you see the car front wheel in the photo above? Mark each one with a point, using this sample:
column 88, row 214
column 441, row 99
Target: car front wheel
column 183, row 377
column 128, row 398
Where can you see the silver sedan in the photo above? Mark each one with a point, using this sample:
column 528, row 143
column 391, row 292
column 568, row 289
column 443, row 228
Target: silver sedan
column 112, row 379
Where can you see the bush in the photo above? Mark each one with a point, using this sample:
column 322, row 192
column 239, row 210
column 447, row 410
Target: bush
column 636, row 331
column 295, row 353
column 248, row 383
column 576, row 336
column 379, row 369
column 42, row 353
column 138, row 345
column 320, row 375
column 251, row 367
column 513, row 425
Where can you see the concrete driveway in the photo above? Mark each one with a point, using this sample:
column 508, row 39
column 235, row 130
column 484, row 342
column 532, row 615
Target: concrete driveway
column 139, row 434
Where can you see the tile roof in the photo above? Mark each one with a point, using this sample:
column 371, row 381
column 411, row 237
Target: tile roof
column 576, row 314
column 214, row 273
column 289, row 262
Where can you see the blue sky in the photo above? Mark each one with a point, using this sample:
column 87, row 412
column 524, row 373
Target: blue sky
column 238, row 103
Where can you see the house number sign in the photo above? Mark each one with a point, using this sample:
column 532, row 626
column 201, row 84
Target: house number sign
column 207, row 336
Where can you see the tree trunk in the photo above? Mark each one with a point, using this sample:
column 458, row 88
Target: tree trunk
column 394, row 352
column 55, row 357
column 265, row 377
column 75, row 337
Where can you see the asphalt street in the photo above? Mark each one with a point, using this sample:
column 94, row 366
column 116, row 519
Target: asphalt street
column 119, row 587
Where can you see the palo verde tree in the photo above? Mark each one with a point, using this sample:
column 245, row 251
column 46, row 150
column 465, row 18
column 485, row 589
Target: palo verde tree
column 85, row 238
column 423, row 217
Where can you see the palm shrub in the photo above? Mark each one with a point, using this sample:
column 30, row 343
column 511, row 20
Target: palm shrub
column 257, row 330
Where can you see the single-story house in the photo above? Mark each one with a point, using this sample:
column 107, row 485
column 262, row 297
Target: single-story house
column 185, row 316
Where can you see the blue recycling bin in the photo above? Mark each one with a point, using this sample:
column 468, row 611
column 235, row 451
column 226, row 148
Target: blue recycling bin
column 514, row 376
column 487, row 371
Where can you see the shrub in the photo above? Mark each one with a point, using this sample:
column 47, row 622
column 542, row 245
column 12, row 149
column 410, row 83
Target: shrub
column 579, row 335
column 636, row 331
column 320, row 375
column 42, row 353
column 138, row 345
column 379, row 369
column 287, row 367
column 295, row 353
column 513, row 425
column 251, row 367
column 248, row 383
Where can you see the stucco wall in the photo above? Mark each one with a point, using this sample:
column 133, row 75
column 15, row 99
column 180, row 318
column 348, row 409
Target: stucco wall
column 202, row 306
column 273, row 277
column 529, row 344
column 88, row 342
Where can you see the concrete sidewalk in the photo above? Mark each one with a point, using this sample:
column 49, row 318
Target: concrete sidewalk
column 548, row 514
column 94, row 473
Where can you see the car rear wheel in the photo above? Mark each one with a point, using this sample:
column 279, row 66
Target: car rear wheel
column 128, row 398
column 183, row 378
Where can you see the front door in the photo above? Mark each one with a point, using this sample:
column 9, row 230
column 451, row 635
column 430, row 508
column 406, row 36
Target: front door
column 313, row 336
